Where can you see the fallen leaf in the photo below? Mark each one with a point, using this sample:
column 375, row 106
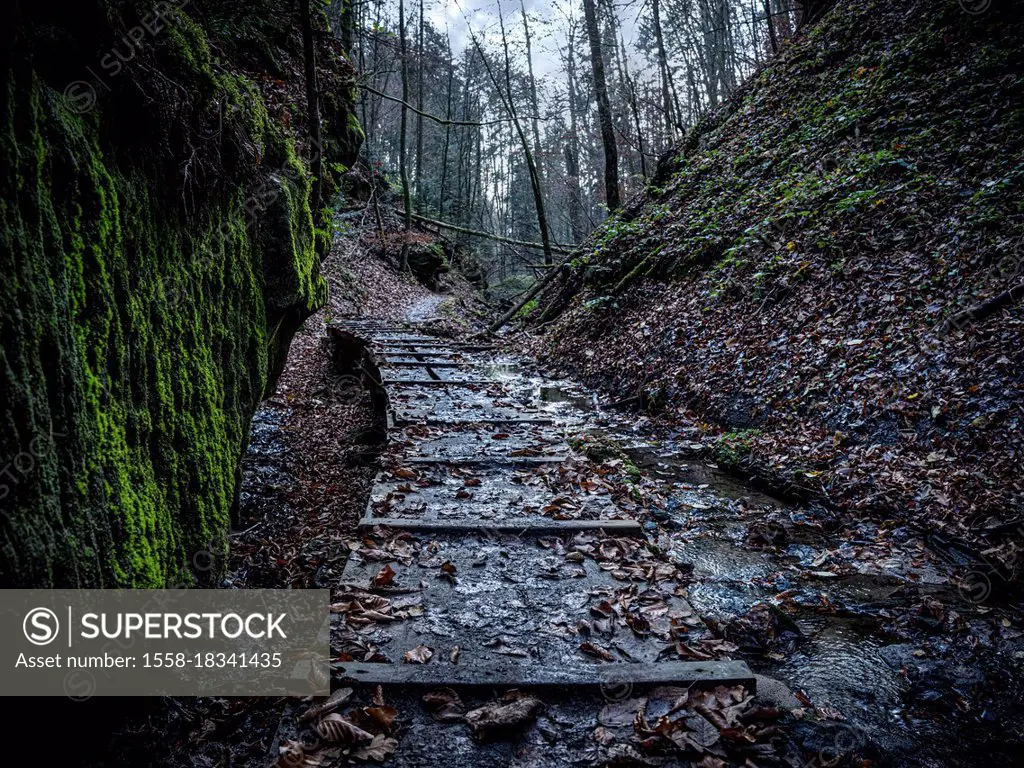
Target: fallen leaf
column 378, row 750
column 504, row 718
column 418, row 655
column 320, row 708
column 339, row 730
column 595, row 650
column 385, row 577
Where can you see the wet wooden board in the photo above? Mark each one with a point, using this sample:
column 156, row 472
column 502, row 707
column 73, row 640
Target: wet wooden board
column 445, row 496
column 683, row 673
column 517, row 604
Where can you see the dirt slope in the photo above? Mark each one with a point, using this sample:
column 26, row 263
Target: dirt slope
column 786, row 277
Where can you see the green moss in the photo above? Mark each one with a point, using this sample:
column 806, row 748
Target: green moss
column 140, row 337
column 526, row 309
column 733, row 448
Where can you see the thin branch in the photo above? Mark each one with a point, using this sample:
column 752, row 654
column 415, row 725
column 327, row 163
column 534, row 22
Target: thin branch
column 556, row 247
column 435, row 118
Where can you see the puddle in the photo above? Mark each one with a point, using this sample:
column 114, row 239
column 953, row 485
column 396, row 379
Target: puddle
column 557, row 395
column 504, row 370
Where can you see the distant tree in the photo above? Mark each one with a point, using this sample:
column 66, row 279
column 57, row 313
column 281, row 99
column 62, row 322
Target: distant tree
column 604, row 109
column 403, row 164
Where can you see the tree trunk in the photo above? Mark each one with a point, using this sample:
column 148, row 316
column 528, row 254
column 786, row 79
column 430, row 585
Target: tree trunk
column 420, row 59
column 510, row 107
column 402, row 163
column 773, row 41
column 313, row 108
column 447, row 133
column 631, row 95
column 572, row 147
column 534, row 105
column 666, row 97
column 604, row 110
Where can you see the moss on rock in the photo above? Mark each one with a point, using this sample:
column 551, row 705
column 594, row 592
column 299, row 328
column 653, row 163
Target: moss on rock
column 142, row 322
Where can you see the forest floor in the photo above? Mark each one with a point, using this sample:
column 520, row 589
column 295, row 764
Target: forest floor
column 794, row 282
column 864, row 649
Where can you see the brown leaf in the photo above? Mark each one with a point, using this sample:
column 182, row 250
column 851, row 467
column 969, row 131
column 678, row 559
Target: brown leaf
column 595, row 650
column 418, row 655
column 378, row 750
column 444, row 704
column 382, row 716
column 292, row 754
column 620, row 713
column 638, row 623
column 339, row 730
column 505, row 717
column 385, row 577
column 332, row 702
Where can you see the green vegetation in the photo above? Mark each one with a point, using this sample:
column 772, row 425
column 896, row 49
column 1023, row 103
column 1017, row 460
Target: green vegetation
column 141, row 331
column 526, row 309
column 732, row 448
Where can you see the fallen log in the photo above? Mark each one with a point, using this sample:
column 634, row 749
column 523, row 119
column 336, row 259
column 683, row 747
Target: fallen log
column 539, row 286
column 985, row 309
column 555, row 247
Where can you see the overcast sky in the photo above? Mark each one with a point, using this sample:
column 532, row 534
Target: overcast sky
column 547, row 26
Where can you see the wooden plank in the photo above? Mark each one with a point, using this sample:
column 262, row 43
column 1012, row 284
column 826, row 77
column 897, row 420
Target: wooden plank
column 404, row 419
column 485, row 459
column 422, row 364
column 435, row 345
column 510, row 525
column 440, row 382
column 385, row 355
column 703, row 673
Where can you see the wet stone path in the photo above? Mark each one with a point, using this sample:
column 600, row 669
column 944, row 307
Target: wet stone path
column 508, row 554
column 539, row 582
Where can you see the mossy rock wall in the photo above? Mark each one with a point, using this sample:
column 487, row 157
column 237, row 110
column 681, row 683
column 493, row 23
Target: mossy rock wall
column 157, row 257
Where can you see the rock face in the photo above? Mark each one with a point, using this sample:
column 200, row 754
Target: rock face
column 157, row 247
column 428, row 261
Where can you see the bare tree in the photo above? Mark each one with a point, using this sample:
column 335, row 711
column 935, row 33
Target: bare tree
column 604, row 109
column 534, row 104
column 663, row 71
column 402, row 160
column 572, row 151
column 509, row 106
column 420, row 66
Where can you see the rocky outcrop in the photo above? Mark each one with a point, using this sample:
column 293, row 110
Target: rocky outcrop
column 158, row 252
